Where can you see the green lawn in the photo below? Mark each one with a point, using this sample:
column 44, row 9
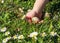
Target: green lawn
column 12, row 26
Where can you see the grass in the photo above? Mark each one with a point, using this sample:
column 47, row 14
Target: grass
column 10, row 17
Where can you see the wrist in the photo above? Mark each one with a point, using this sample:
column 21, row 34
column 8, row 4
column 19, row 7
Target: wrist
column 36, row 11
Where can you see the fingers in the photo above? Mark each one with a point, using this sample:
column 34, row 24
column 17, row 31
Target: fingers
column 33, row 17
column 34, row 20
column 29, row 19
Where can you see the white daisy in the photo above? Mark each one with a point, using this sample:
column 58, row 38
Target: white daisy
column 35, row 38
column 2, row 1
column 47, row 14
column 23, row 17
column 21, row 10
column 34, row 34
column 20, row 37
column 3, row 29
column 43, row 34
column 6, row 39
column 29, row 10
column 15, row 37
column 53, row 33
column 7, row 33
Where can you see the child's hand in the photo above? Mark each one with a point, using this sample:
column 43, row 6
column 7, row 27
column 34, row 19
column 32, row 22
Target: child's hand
column 32, row 14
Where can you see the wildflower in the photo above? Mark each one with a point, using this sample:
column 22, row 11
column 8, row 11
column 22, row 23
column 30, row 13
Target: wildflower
column 35, row 38
column 3, row 29
column 21, row 10
column 7, row 33
column 20, row 37
column 47, row 14
column 53, row 33
column 15, row 36
column 29, row 10
column 6, row 39
column 23, row 17
column 34, row 34
column 35, row 19
column 43, row 34
column 2, row 1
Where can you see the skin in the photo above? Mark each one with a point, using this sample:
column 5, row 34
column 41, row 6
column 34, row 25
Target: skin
column 37, row 10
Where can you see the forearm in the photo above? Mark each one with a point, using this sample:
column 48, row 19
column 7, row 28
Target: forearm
column 39, row 5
